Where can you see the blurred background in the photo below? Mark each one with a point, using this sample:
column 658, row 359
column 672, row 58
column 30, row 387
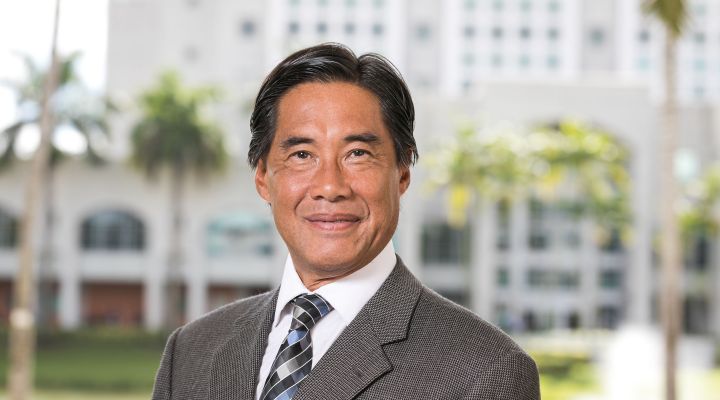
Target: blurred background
column 535, row 202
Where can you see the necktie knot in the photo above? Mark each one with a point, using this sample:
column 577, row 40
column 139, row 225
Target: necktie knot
column 308, row 308
column 294, row 360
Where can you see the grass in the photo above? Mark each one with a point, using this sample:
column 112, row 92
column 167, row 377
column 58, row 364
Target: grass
column 94, row 361
column 120, row 365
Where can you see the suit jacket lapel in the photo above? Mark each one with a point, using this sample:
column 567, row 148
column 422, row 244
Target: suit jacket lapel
column 357, row 359
column 236, row 364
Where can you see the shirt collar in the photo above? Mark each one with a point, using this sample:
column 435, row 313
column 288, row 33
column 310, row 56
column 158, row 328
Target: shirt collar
column 347, row 295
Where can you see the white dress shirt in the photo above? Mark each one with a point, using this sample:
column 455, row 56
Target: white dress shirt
column 346, row 295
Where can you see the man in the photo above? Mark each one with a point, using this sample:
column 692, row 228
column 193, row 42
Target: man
column 332, row 145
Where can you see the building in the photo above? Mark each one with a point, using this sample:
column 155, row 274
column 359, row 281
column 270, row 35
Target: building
column 525, row 266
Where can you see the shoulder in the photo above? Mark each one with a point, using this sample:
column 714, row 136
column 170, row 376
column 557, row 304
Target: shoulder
column 462, row 325
column 220, row 323
column 472, row 349
column 473, row 342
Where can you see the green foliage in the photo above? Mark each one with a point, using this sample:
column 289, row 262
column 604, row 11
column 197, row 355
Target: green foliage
column 71, row 105
column 671, row 13
column 579, row 168
column 172, row 132
column 564, row 376
column 95, row 360
column 697, row 217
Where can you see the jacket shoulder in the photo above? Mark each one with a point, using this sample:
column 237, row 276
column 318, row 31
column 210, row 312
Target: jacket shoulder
column 220, row 321
column 471, row 335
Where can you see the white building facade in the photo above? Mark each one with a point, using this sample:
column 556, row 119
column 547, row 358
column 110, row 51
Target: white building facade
column 524, row 266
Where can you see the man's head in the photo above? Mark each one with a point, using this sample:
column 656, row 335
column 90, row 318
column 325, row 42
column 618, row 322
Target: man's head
column 332, row 144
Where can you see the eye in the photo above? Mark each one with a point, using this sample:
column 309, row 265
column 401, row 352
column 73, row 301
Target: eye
column 359, row 153
column 301, row 154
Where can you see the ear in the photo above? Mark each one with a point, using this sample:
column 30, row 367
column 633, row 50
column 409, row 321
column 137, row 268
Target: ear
column 404, row 179
column 261, row 180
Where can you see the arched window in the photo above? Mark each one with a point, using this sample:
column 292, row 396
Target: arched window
column 113, row 230
column 8, row 230
column 238, row 234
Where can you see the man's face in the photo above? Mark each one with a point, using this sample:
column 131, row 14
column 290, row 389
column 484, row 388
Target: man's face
column 332, row 179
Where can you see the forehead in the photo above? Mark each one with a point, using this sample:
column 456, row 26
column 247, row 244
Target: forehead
column 329, row 107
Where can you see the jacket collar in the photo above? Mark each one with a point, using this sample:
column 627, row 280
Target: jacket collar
column 357, row 358
column 353, row 362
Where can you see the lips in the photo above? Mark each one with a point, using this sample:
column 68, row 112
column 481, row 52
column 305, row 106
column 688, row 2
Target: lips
column 332, row 221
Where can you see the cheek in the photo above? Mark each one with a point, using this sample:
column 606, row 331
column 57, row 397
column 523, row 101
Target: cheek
column 286, row 193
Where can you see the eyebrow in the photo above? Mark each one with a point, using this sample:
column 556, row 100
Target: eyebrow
column 294, row 141
column 369, row 138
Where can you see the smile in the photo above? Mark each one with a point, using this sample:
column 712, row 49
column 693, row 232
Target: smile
column 332, row 222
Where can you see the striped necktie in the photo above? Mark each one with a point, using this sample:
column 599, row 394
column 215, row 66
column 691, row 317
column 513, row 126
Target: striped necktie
column 294, row 360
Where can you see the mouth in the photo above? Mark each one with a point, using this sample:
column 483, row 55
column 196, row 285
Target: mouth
column 333, row 222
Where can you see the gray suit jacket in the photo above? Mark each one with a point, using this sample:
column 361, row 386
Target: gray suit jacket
column 406, row 343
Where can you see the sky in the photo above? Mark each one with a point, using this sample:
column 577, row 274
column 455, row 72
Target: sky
column 26, row 26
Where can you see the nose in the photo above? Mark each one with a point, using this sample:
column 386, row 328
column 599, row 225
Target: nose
column 330, row 183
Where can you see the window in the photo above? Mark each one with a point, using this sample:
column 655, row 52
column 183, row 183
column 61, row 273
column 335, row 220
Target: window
column 422, row 31
column 538, row 238
column 553, row 6
column 699, row 38
column 112, row 230
column 238, row 234
column 349, row 28
column 524, row 61
column 293, row 27
column 321, row 28
column 497, row 33
column 644, row 36
column 247, row 28
column 503, row 277
column 469, row 5
column 596, row 36
column 553, row 34
column 525, row 33
column 552, row 61
column 525, row 5
column 608, row 317
column 548, row 279
column 610, row 279
column 503, row 225
column 350, row 3
column 497, row 60
column 442, row 243
column 379, row 3
column 468, row 59
column 498, row 5
column 469, row 31
column 8, row 230
column 612, row 242
column 378, row 29
column 699, row 65
column 696, row 251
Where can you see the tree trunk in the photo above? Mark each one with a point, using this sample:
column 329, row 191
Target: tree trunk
column 174, row 287
column 47, row 252
column 670, row 256
column 22, row 324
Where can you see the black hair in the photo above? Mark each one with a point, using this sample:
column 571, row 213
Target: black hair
column 333, row 62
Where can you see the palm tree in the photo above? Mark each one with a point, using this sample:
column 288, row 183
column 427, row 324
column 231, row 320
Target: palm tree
column 22, row 325
column 172, row 134
column 580, row 169
column 72, row 106
column 672, row 14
